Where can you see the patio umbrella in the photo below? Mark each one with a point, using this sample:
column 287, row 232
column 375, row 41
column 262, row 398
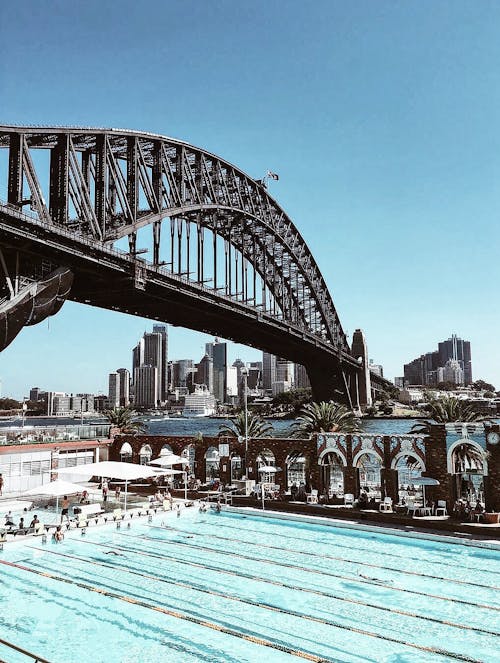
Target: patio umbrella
column 267, row 469
column 425, row 481
column 167, row 460
column 111, row 469
column 56, row 489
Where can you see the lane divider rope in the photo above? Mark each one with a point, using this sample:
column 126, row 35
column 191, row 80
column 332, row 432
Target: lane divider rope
column 314, row 571
column 331, row 557
column 434, row 650
column 269, row 606
column 179, row 615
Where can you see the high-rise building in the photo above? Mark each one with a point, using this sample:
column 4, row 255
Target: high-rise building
column 182, row 373
column 457, row 349
column 146, row 386
column 268, row 370
column 218, row 352
column 205, row 373
column 137, row 357
column 285, row 371
column 163, row 369
column 114, row 390
column 124, row 376
column 429, row 368
column 301, row 377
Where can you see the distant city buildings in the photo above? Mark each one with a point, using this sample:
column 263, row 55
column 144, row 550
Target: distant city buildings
column 150, row 368
column 376, row 369
column 451, row 362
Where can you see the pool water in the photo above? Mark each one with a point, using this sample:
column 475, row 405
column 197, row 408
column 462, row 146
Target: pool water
column 231, row 587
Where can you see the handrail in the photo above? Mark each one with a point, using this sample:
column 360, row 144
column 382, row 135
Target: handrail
column 34, row 657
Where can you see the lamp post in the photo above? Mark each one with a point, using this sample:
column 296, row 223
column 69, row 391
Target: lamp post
column 244, row 375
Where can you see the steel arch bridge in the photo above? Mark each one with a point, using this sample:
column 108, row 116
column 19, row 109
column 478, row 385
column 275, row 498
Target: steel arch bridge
column 83, row 207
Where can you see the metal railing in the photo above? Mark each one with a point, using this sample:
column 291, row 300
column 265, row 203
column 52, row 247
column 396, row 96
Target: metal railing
column 28, row 654
column 41, row 435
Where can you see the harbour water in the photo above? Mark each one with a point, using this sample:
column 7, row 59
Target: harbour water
column 210, row 425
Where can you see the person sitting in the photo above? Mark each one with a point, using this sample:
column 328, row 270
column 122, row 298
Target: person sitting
column 478, row 511
column 34, row 522
column 9, row 522
column 363, row 500
column 21, row 525
column 58, row 535
column 294, row 489
column 85, row 497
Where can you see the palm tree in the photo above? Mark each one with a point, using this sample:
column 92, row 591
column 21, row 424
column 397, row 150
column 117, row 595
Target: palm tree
column 255, row 426
column 468, row 458
column 325, row 417
column 445, row 410
column 123, row 419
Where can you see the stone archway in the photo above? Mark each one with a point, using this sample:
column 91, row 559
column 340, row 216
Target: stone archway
column 369, row 466
column 296, row 468
column 332, row 464
column 145, row 454
column 212, row 464
column 468, row 464
column 409, row 467
column 126, row 453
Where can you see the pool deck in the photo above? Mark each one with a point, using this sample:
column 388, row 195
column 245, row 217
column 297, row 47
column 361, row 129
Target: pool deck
column 429, row 525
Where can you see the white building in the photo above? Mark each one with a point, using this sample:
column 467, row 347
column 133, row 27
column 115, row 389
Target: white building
column 201, row 403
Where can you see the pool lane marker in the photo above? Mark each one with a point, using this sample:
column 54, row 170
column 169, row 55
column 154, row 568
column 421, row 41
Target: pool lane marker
column 268, row 606
column 320, row 620
column 179, row 615
column 332, row 557
column 368, row 550
column 315, row 571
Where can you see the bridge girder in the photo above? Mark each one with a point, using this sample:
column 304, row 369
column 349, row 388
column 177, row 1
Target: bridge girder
column 108, row 184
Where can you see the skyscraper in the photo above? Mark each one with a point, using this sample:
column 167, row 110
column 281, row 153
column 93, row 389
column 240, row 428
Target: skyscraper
column 146, row 386
column 429, row 368
column 124, row 376
column 114, row 390
column 218, row 352
column 205, row 373
column 459, row 350
column 163, row 368
column 268, row 370
column 301, row 377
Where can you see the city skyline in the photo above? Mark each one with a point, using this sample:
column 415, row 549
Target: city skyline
column 381, row 127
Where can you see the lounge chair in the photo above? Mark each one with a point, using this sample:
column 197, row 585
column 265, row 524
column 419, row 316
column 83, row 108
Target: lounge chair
column 441, row 508
column 386, row 505
column 312, row 498
column 348, row 499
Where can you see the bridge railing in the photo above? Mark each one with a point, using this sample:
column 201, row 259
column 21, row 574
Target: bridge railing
column 123, row 255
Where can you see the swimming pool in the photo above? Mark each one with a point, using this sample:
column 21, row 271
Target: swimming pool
column 232, row 587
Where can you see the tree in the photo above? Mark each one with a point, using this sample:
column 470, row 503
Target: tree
column 255, row 426
column 325, row 417
column 123, row 419
column 9, row 404
column 294, row 399
column 445, row 410
column 481, row 385
column 446, row 386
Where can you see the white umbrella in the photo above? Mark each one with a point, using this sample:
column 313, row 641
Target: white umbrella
column 425, row 481
column 56, row 489
column 111, row 469
column 167, row 460
column 268, row 469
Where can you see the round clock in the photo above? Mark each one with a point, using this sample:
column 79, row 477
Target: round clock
column 493, row 437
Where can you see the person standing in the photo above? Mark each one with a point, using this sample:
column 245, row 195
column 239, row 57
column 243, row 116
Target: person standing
column 1, row 484
column 105, row 491
column 65, row 508
column 117, row 492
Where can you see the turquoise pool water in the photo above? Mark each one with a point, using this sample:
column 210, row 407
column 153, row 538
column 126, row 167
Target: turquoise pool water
column 230, row 588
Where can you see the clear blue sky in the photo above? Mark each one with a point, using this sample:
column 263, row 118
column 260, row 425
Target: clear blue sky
column 381, row 118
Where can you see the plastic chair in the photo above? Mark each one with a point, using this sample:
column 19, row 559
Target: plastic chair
column 386, row 505
column 348, row 499
column 312, row 498
column 441, row 507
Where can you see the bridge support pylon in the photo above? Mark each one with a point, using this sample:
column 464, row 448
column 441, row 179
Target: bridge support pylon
column 361, row 390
